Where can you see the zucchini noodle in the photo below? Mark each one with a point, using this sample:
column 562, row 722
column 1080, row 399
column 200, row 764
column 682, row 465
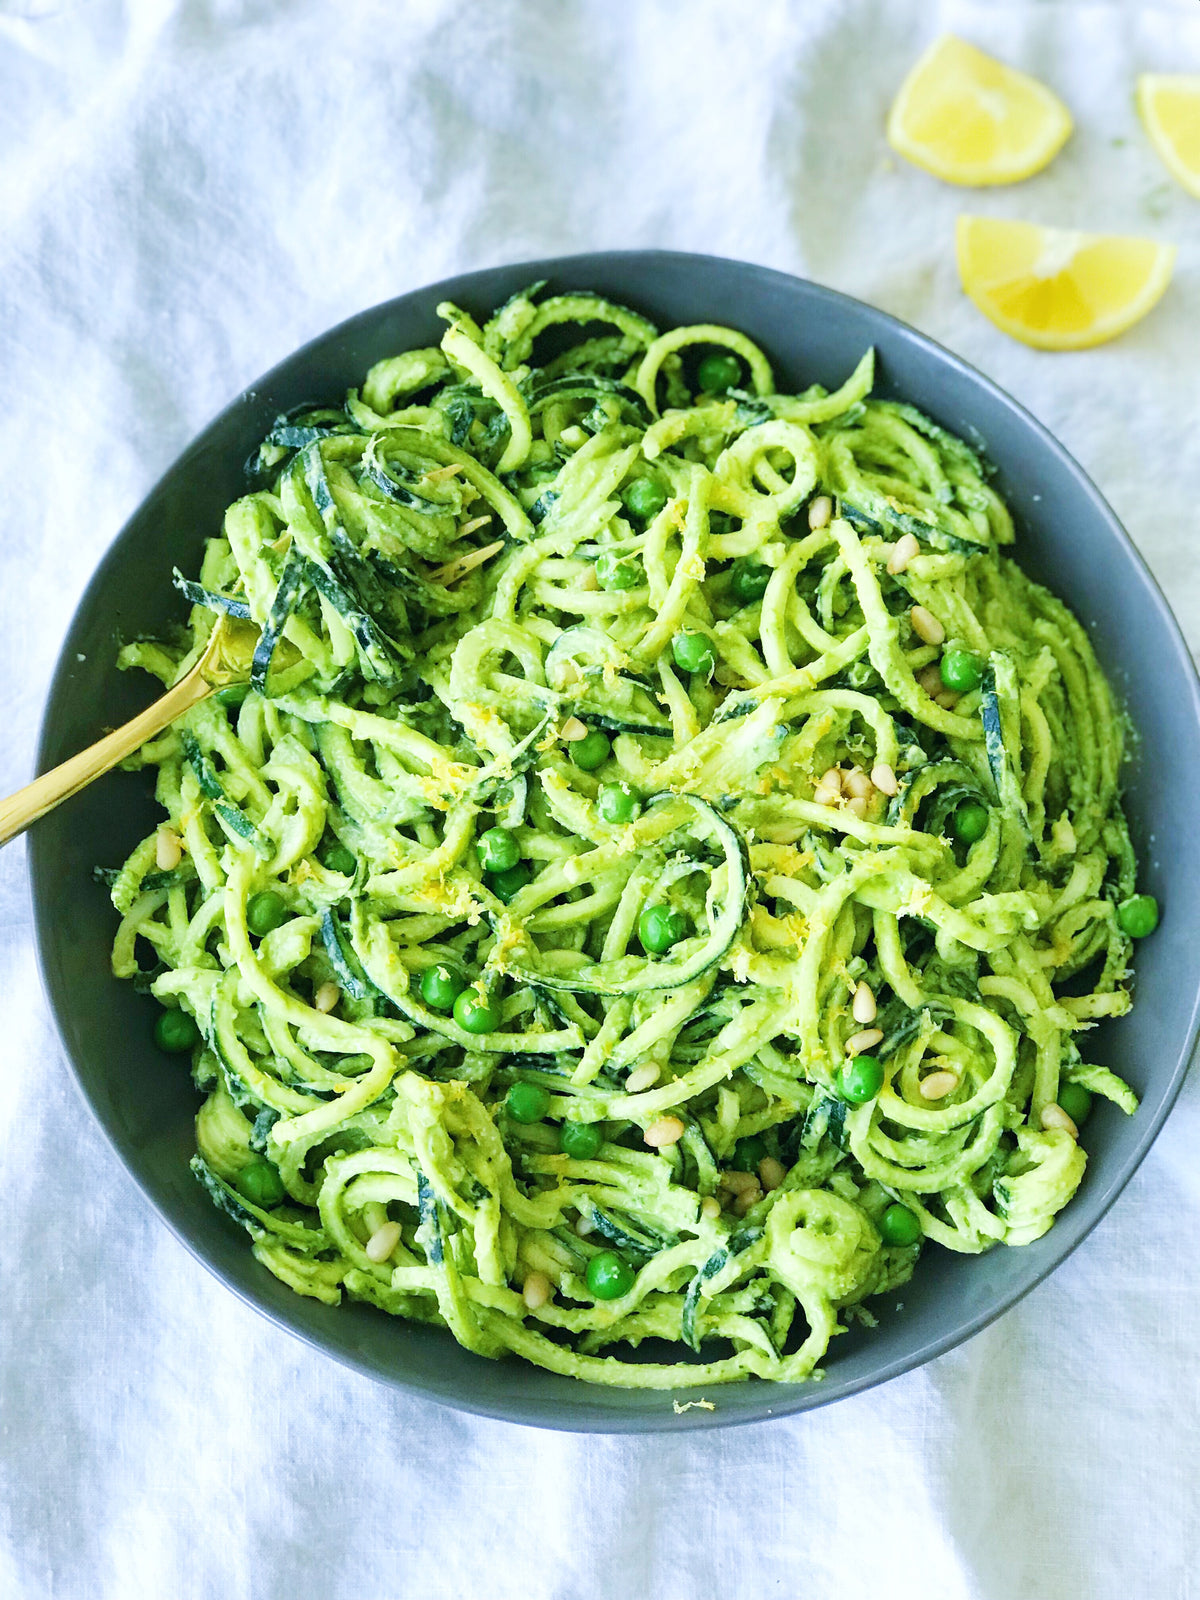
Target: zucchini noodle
column 662, row 866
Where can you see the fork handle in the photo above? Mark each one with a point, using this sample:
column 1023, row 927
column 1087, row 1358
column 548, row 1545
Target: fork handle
column 60, row 783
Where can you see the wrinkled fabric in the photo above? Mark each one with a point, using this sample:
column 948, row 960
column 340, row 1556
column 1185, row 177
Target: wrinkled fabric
column 190, row 189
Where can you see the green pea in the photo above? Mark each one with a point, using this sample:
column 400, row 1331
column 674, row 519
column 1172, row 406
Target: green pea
column 441, row 987
column 337, row 858
column 592, row 751
column 175, row 1032
column 860, row 1080
column 609, row 1276
column 619, row 571
column 970, row 821
column 717, row 373
column 232, row 695
column 660, row 927
column 898, row 1225
column 644, row 498
column 475, row 1013
column 580, row 1140
column 497, row 850
column 1076, row 1101
column 618, row 802
column 265, row 912
column 960, row 671
column 509, row 882
column 747, row 1153
column 694, row 653
column 260, row 1183
column 748, row 581
column 527, row 1102
column 1138, row 916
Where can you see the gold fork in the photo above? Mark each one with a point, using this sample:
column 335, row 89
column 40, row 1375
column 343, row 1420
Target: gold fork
column 226, row 660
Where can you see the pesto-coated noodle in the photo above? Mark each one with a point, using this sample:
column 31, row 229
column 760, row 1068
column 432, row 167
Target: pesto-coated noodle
column 525, row 871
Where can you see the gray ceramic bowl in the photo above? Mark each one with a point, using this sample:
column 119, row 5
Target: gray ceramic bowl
column 1068, row 538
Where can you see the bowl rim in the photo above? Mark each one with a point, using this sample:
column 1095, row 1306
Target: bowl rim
column 775, row 1400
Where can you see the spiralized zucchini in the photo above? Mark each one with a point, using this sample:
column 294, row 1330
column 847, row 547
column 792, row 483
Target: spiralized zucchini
column 792, row 809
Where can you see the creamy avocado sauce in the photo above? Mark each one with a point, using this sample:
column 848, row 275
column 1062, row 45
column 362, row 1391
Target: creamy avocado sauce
column 663, row 867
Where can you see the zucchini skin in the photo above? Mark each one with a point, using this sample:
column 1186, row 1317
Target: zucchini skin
column 232, row 605
column 291, row 581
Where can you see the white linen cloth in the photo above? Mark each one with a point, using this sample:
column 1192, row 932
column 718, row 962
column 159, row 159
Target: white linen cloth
column 191, row 188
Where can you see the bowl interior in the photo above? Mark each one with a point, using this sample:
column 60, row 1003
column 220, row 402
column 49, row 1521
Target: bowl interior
column 1068, row 538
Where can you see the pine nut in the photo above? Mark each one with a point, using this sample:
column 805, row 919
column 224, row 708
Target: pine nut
column 383, row 1241
column 666, row 1131
column 710, row 1207
column 858, row 1042
column 1056, row 1117
column 327, row 996
column 735, row 1181
column 947, row 699
column 906, row 548
column 747, row 1198
column 771, row 1173
column 857, row 784
column 926, row 626
column 536, row 1290
column 641, row 1077
column 572, row 729
column 863, row 1006
column 831, row 778
column 824, row 796
column 168, row 850
column 930, row 679
column 858, row 807
column 884, row 778
column 819, row 512
column 584, row 1225
column 938, row 1085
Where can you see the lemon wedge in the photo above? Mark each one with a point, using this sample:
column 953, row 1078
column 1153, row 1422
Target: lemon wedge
column 1056, row 289
column 970, row 119
column 1169, row 104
